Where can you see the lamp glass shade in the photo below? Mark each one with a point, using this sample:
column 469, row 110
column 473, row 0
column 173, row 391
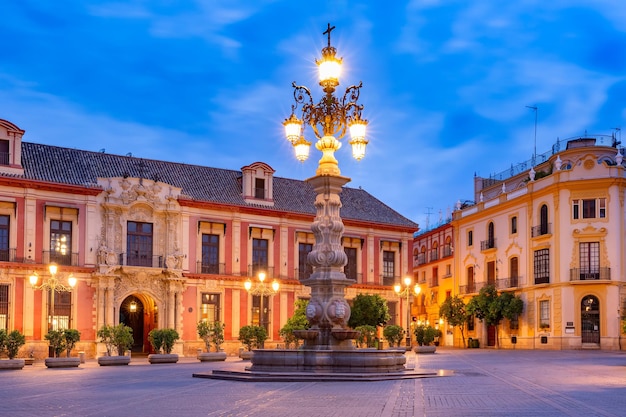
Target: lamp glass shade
column 397, row 288
column 293, row 128
column 329, row 69
column 72, row 281
column 302, row 148
column 275, row 286
column 407, row 281
column 247, row 285
column 417, row 289
column 33, row 279
column 53, row 268
column 262, row 276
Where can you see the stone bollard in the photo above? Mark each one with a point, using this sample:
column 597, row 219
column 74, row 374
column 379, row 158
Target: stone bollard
column 81, row 356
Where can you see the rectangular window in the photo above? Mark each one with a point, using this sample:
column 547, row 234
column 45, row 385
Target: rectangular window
column 542, row 266
column 389, row 267
column 350, row 269
column 513, row 225
column 470, row 238
column 210, row 254
column 60, row 310
column 210, row 307
column 305, row 269
column 589, row 260
column 139, row 244
column 259, row 256
column 491, row 273
column 394, row 317
column 514, row 323
column 259, row 188
column 470, row 323
column 4, row 152
column 544, row 313
column 61, row 242
column 260, row 304
column 4, row 306
column 589, row 208
column 602, row 208
column 4, row 238
column 435, row 281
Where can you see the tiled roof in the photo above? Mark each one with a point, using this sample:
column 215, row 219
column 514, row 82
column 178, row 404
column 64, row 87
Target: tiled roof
column 83, row 168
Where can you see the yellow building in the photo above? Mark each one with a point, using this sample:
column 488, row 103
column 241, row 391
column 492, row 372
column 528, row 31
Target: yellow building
column 553, row 234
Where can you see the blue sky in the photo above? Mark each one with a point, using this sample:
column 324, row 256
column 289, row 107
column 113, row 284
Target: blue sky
column 445, row 83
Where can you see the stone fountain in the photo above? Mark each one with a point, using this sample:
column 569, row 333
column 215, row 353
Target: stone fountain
column 328, row 350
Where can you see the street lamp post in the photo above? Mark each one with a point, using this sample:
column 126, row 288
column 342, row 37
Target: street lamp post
column 261, row 289
column 328, row 312
column 406, row 292
column 53, row 284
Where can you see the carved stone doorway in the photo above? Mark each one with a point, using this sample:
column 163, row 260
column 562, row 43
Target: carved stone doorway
column 138, row 312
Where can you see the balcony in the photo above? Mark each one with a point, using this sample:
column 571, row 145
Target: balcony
column 434, row 255
column 488, row 244
column 301, row 274
column 8, row 255
column 253, row 270
column 590, row 274
column 510, row 282
column 542, row 280
column 389, row 281
column 447, row 251
column 421, row 258
column 543, row 229
column 471, row 288
column 154, row 261
column 215, row 269
column 66, row 259
column 434, row 282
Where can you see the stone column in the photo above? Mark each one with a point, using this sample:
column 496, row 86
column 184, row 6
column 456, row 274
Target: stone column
column 328, row 310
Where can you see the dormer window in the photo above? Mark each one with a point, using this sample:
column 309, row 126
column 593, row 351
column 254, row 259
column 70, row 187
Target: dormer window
column 257, row 184
column 10, row 148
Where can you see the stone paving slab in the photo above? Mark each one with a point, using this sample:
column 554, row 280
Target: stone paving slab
column 485, row 383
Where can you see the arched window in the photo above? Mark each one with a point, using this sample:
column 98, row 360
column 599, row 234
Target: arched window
column 543, row 220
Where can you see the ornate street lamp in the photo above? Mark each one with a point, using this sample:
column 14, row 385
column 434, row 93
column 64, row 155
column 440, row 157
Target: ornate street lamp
column 407, row 292
column 330, row 118
column 261, row 289
column 328, row 312
column 53, row 284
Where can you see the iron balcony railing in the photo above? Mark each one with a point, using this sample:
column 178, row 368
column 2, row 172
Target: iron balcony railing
column 434, row 255
column 389, row 281
column 488, row 244
column 8, row 255
column 447, row 251
column 305, row 273
column 542, row 280
column 207, row 268
column 254, row 270
column 66, row 259
column 542, row 229
column 154, row 261
column 510, row 282
column 421, row 258
column 590, row 274
column 471, row 288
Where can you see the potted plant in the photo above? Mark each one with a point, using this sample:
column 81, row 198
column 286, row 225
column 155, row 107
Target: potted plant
column 162, row 340
column 118, row 338
column 251, row 336
column 10, row 344
column 59, row 341
column 425, row 335
column 212, row 334
column 394, row 334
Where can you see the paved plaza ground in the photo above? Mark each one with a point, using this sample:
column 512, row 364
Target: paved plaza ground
column 485, row 382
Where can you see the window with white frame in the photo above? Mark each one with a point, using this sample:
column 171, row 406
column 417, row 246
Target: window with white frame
column 4, row 306
column 591, row 208
column 544, row 314
column 210, row 307
column 542, row 266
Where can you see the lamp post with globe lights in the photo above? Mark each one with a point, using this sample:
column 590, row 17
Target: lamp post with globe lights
column 407, row 292
column 53, row 284
column 329, row 120
column 262, row 290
